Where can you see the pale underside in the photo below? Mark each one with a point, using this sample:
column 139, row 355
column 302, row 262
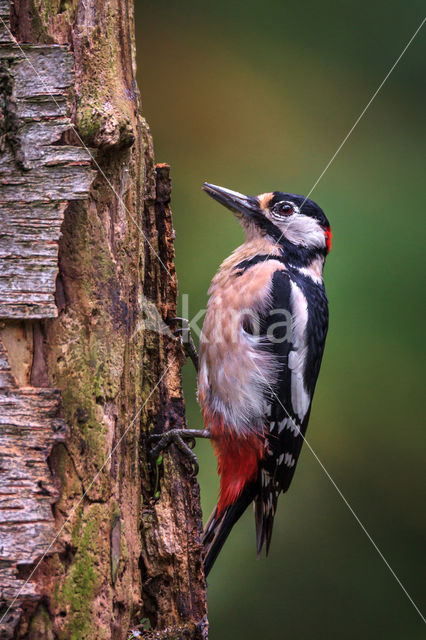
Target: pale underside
column 236, row 376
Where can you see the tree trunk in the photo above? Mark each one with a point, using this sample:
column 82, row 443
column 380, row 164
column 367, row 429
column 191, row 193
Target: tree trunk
column 94, row 542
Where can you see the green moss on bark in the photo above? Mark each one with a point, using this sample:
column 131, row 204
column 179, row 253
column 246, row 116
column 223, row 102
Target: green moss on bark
column 45, row 14
column 103, row 114
column 89, row 360
column 40, row 626
column 85, row 576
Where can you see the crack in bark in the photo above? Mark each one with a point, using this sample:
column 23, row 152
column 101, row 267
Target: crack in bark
column 9, row 122
column 97, row 352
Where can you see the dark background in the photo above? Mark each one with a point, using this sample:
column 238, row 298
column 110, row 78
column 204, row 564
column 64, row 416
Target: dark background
column 257, row 97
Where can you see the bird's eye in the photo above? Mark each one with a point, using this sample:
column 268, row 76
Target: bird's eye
column 284, row 209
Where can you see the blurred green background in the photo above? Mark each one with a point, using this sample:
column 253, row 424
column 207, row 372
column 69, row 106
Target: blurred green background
column 257, row 97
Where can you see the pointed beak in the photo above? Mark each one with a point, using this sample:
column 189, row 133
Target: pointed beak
column 236, row 202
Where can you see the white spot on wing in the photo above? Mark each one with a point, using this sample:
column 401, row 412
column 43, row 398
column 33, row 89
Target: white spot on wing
column 282, row 425
column 289, row 461
column 290, row 424
column 265, row 478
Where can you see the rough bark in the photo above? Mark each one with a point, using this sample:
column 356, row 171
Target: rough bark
column 88, row 366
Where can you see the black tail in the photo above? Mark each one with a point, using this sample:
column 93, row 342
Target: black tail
column 218, row 529
column 264, row 514
column 264, row 511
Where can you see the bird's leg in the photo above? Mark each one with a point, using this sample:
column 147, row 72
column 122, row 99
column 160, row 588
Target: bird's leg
column 187, row 341
column 178, row 437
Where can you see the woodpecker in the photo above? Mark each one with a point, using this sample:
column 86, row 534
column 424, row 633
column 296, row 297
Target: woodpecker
column 261, row 348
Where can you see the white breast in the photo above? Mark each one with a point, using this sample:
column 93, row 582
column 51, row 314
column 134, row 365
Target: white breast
column 234, row 373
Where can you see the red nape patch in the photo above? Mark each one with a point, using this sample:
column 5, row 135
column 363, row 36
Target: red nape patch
column 237, row 464
column 328, row 237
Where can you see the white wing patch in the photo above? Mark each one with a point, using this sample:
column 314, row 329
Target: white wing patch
column 300, row 398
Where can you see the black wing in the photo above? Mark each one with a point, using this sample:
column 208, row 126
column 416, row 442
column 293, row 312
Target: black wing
column 295, row 328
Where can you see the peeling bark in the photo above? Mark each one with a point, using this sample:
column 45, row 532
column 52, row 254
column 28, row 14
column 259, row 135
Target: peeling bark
column 29, row 427
column 87, row 255
column 37, row 177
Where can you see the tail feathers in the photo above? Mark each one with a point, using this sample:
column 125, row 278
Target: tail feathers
column 218, row 528
column 264, row 524
column 264, row 511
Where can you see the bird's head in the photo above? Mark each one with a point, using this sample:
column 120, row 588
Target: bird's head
column 295, row 223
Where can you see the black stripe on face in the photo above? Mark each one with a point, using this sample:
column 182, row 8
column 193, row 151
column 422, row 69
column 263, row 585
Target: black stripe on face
column 263, row 223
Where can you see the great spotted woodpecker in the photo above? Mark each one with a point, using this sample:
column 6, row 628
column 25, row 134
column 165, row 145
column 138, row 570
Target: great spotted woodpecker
column 260, row 353
column 261, row 348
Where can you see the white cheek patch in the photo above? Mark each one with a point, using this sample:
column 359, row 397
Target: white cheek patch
column 304, row 231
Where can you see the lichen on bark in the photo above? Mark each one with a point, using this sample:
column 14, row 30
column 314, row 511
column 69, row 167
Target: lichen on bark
column 124, row 559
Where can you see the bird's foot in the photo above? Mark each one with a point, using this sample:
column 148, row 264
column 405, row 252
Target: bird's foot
column 178, row 437
column 187, row 340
